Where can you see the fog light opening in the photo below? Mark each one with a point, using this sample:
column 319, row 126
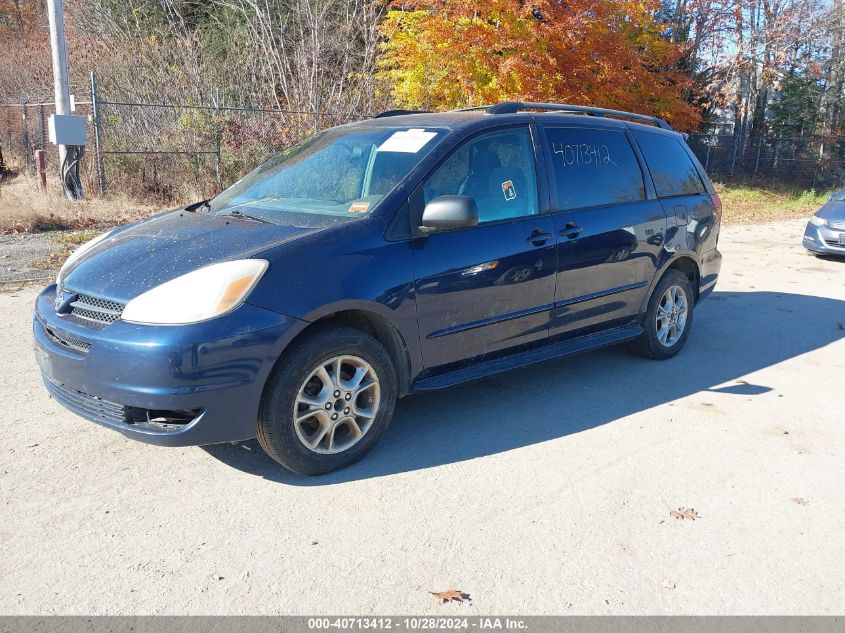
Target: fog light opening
column 162, row 420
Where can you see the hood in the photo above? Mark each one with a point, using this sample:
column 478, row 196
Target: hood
column 141, row 256
column 833, row 210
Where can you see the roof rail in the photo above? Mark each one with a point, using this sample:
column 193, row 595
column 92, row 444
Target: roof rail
column 388, row 113
column 510, row 107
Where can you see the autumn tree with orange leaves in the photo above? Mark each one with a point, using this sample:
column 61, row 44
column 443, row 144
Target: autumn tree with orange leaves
column 443, row 54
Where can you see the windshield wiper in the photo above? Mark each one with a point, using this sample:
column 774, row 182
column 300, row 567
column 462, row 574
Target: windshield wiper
column 245, row 216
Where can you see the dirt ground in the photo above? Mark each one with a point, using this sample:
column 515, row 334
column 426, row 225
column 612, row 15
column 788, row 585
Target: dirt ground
column 545, row 491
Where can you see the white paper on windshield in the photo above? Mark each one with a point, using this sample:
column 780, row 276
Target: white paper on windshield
column 407, row 141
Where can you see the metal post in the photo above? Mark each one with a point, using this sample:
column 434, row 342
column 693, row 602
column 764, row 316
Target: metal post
column 218, row 135
column 9, row 129
column 733, row 158
column 217, row 165
column 42, row 123
column 707, row 159
column 58, row 46
column 25, row 137
column 95, row 122
column 41, row 168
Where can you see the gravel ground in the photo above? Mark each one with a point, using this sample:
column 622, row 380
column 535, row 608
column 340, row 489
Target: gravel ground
column 547, row 490
column 25, row 257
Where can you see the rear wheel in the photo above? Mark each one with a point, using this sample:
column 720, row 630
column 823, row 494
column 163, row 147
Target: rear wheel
column 668, row 319
column 329, row 401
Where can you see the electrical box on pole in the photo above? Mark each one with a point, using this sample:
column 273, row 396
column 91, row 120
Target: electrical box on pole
column 67, row 129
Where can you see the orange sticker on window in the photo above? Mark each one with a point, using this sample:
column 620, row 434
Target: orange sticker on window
column 509, row 190
column 359, row 207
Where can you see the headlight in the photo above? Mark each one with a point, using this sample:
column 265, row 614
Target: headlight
column 818, row 221
column 200, row 295
column 78, row 253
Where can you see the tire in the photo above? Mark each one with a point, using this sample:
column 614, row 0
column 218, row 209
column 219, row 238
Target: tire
column 298, row 377
column 649, row 344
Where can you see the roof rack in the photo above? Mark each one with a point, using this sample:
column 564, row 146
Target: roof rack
column 388, row 113
column 511, row 107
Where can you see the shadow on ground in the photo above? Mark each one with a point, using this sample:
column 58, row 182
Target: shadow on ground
column 734, row 334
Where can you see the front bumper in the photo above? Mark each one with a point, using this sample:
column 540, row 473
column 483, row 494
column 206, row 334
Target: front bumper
column 209, row 374
column 823, row 240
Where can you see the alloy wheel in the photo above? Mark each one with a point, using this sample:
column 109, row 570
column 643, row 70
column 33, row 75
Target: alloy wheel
column 336, row 405
column 671, row 316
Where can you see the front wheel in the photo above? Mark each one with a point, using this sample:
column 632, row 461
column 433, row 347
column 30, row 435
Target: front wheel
column 668, row 319
column 329, row 401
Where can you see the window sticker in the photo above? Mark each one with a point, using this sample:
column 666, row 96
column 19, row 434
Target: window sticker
column 509, row 190
column 358, row 207
column 407, row 141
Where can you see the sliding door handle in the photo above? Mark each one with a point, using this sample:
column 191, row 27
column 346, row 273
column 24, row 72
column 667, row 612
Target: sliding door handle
column 539, row 237
column 571, row 230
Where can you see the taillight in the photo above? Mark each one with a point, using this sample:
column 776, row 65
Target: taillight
column 717, row 205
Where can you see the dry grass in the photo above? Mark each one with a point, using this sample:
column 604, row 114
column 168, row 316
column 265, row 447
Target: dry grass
column 24, row 208
column 746, row 204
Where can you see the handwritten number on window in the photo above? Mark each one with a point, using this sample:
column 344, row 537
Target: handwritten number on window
column 584, row 155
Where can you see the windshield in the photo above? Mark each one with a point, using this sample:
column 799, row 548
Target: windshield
column 838, row 196
column 337, row 174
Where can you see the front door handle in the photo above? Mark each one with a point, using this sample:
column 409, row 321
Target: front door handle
column 571, row 230
column 539, row 237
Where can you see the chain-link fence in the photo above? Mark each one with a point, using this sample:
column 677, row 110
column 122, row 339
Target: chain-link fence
column 171, row 152
column 809, row 162
column 159, row 151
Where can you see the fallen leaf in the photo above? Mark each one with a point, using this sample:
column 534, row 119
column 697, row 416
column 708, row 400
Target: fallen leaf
column 801, row 501
column 685, row 513
column 450, row 595
column 840, row 326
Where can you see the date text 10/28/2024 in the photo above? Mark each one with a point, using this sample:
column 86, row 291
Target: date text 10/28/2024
column 421, row 623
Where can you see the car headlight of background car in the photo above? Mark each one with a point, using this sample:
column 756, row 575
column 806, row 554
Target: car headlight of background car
column 817, row 221
column 197, row 296
column 79, row 252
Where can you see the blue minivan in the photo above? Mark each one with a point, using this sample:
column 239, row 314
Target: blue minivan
column 408, row 252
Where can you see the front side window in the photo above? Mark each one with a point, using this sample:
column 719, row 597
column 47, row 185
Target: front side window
column 496, row 170
column 671, row 168
column 594, row 168
column 337, row 174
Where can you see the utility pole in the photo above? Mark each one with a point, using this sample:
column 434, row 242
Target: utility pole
column 58, row 45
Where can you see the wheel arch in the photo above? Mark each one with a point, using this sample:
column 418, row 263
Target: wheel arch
column 368, row 319
column 689, row 267
column 683, row 263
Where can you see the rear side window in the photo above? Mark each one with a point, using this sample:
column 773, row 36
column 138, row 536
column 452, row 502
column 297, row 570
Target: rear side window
column 594, row 167
column 670, row 165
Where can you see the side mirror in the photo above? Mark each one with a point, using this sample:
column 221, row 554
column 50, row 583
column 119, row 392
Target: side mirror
column 449, row 212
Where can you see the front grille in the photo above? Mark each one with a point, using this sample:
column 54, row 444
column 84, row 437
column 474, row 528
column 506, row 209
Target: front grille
column 64, row 340
column 838, row 225
column 834, row 243
column 96, row 309
column 87, row 406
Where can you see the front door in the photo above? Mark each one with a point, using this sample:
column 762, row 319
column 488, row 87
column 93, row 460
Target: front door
column 609, row 234
column 490, row 287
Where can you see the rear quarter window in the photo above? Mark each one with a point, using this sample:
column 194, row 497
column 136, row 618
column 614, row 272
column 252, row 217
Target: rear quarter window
column 671, row 168
column 593, row 168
